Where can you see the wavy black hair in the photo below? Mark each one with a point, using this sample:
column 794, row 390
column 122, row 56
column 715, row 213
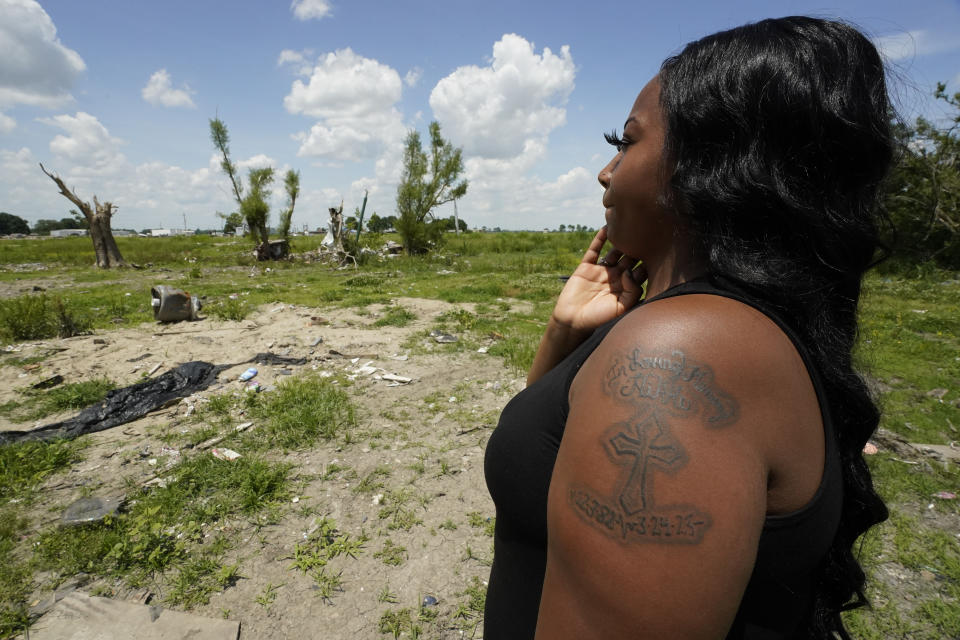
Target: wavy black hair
column 778, row 138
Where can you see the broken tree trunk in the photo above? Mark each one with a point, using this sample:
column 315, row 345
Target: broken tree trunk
column 336, row 229
column 98, row 220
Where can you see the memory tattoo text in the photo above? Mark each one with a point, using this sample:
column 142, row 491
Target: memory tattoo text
column 657, row 388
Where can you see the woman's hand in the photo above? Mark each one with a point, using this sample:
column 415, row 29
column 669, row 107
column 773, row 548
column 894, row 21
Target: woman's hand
column 600, row 289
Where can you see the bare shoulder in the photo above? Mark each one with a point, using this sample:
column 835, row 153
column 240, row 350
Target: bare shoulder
column 659, row 492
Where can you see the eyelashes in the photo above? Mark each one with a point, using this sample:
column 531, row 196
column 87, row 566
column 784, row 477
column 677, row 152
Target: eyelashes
column 613, row 139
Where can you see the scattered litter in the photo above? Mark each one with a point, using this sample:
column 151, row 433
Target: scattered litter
column 48, row 383
column 429, row 601
column 152, row 462
column 945, row 495
column 316, row 341
column 377, row 499
column 206, row 444
column 274, row 359
column 870, row 449
column 252, row 387
column 154, row 369
column 295, row 499
column 140, row 357
column 390, row 377
column 354, row 360
column 90, row 509
column 452, row 399
column 442, row 338
column 277, row 309
column 921, row 311
column 243, row 426
column 189, row 411
column 482, row 350
column 285, row 372
column 247, row 375
column 402, row 358
column 173, row 305
column 225, row 454
column 445, row 272
column 170, row 452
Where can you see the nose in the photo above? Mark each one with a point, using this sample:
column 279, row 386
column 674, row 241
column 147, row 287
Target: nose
column 607, row 171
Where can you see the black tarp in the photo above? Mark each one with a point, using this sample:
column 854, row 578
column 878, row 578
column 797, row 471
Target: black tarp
column 127, row 404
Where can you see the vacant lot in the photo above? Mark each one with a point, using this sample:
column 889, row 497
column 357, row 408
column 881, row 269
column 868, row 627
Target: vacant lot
column 359, row 495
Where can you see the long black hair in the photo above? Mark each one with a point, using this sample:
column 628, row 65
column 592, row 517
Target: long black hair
column 778, row 138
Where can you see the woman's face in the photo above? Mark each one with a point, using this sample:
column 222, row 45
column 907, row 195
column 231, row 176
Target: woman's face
column 637, row 220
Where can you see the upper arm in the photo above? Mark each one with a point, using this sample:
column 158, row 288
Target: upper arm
column 658, row 495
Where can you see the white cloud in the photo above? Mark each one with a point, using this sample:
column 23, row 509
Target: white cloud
column 916, row 43
column 160, row 92
column 7, row 124
column 255, row 162
column 87, row 143
column 353, row 99
column 35, row 67
column 413, row 76
column 493, row 111
column 310, row 9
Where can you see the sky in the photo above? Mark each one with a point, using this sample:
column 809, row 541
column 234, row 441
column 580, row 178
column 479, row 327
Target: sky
column 115, row 96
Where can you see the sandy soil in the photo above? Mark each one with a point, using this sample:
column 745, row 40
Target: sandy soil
column 441, row 419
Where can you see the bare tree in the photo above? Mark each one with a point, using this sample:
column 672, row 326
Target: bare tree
column 98, row 220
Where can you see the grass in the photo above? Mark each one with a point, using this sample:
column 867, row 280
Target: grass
column 40, row 404
column 505, row 284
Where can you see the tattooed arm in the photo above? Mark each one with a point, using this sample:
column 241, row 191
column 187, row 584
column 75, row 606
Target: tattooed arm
column 661, row 485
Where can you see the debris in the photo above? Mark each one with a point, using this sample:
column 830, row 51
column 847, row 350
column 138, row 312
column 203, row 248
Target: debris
column 154, row 369
column 402, row 358
column 285, row 372
column 274, row 359
column 390, row 377
column 225, row 454
column 99, row 341
column 452, row 399
column 173, row 305
column 295, row 499
column 252, row 387
column 206, row 444
column 442, row 338
column 316, row 341
column 127, row 404
column 90, row 509
column 78, row 615
column 870, row 449
column 945, row 495
column 48, row 383
column 243, row 426
column 377, row 499
column 429, row 601
column 247, row 375
column 482, row 349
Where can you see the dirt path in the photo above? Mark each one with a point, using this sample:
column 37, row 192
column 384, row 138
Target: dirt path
column 425, row 437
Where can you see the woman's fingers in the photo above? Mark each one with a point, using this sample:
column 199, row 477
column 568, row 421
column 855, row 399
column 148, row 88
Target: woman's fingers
column 593, row 251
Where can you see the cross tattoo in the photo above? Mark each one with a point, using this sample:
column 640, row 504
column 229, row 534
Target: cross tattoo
column 649, row 444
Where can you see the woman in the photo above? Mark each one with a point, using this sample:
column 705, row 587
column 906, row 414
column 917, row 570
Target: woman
column 690, row 466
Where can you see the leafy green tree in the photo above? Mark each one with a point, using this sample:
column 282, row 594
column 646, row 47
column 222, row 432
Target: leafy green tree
column 291, row 183
column 10, row 223
column 350, row 223
column 923, row 192
column 231, row 221
column 254, row 206
column 427, row 182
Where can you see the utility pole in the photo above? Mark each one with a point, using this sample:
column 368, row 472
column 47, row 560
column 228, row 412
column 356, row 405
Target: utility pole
column 456, row 219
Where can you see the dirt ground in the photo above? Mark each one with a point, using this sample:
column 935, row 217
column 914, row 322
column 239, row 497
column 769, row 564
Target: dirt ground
column 439, row 421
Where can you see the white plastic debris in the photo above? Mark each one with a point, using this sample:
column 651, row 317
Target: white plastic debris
column 390, row 377
column 225, row 454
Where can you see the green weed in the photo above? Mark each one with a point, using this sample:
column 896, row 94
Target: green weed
column 395, row 316
column 391, row 554
column 299, row 412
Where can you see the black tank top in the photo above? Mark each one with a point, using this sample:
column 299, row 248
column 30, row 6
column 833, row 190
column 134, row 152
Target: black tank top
column 519, row 462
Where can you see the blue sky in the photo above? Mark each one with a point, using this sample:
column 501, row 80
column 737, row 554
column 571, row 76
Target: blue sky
column 115, row 95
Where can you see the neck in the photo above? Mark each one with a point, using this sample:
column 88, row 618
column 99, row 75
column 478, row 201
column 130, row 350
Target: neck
column 676, row 266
